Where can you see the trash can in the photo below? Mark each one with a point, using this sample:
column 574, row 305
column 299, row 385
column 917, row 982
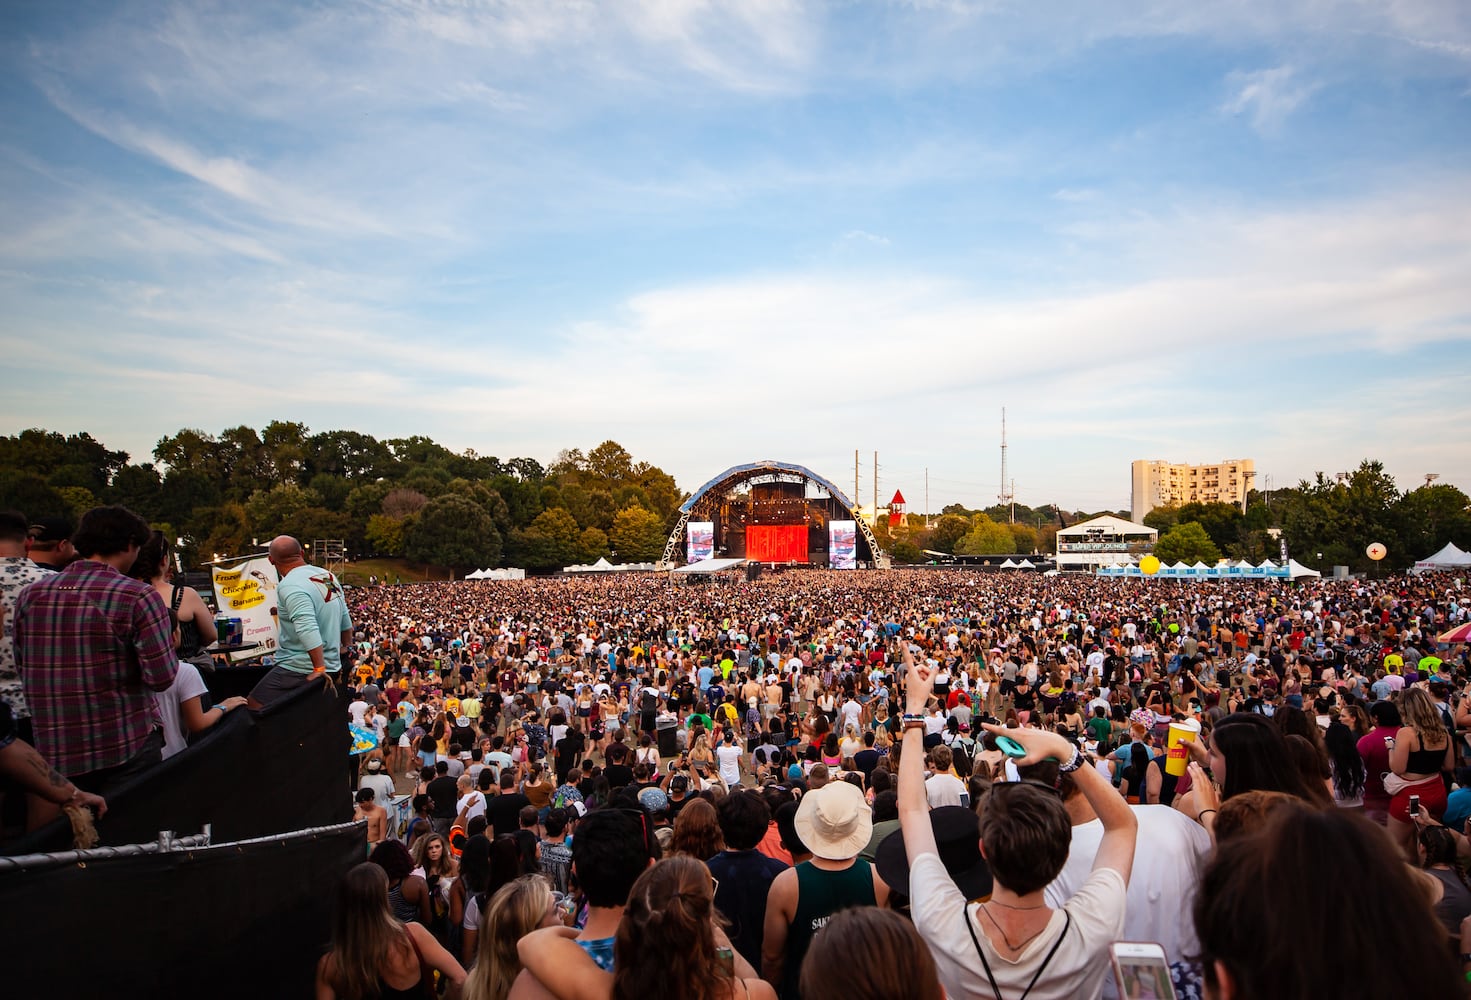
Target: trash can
column 667, row 731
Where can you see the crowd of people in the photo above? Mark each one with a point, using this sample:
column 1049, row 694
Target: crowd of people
column 822, row 784
column 923, row 783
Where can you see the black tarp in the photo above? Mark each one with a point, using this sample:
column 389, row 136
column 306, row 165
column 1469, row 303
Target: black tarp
column 237, row 920
column 253, row 774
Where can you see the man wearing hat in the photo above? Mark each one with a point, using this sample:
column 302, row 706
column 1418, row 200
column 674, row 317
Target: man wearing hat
column 49, row 544
column 378, row 781
column 834, row 822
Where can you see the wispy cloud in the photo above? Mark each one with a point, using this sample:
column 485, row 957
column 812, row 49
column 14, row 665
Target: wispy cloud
column 1267, row 97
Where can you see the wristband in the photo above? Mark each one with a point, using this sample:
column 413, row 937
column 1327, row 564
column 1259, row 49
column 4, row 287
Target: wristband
column 1073, row 764
column 912, row 717
column 1200, row 816
column 913, row 724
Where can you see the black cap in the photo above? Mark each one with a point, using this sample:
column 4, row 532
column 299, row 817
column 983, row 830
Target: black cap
column 958, row 840
column 51, row 529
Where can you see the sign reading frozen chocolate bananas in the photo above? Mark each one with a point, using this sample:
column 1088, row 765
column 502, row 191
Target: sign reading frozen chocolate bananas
column 247, row 591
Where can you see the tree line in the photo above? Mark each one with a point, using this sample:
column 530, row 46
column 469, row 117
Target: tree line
column 411, row 497
column 220, row 494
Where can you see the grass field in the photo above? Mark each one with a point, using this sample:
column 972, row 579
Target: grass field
column 356, row 573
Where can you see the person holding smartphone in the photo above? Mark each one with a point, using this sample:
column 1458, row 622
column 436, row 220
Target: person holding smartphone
column 1015, row 943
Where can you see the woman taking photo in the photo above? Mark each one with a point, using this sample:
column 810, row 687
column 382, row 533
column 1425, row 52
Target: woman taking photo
column 375, row 956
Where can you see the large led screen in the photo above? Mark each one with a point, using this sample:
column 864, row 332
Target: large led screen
column 701, row 544
column 776, row 543
column 842, row 544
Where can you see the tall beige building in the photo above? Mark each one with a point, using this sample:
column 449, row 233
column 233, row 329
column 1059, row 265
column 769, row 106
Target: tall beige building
column 1159, row 484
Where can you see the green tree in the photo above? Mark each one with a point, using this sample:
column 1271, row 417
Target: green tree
column 1025, row 536
column 595, row 546
column 277, row 511
column 386, row 535
column 610, row 463
column 951, row 528
column 1188, row 543
column 78, row 499
column 637, row 535
column 986, row 538
column 140, row 489
column 907, row 553
column 454, row 531
column 28, row 493
column 551, row 541
column 223, row 530
column 1164, row 518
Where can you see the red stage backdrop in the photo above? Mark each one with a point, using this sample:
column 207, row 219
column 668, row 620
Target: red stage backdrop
column 777, row 543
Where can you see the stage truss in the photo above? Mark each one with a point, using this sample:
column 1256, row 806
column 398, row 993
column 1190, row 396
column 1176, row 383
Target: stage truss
column 705, row 502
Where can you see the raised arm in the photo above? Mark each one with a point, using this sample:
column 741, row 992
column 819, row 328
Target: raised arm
column 559, row 964
column 1120, row 828
column 914, row 821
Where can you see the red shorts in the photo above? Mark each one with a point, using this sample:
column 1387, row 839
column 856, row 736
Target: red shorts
column 1432, row 797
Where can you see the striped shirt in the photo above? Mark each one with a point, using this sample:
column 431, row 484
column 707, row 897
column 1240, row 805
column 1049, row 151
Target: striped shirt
column 92, row 645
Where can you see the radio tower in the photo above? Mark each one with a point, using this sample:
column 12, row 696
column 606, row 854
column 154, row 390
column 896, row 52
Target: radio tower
column 1007, row 494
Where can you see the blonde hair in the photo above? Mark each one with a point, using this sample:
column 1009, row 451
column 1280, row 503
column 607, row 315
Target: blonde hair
column 516, row 910
column 1420, row 713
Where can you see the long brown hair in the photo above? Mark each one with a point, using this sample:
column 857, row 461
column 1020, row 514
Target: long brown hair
column 665, row 944
column 1262, row 888
column 881, row 954
column 697, row 831
column 364, row 931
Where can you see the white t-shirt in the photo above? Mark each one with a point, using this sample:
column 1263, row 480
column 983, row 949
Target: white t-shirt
column 729, row 757
column 1078, row 969
column 1170, row 851
column 944, row 789
column 475, row 800
column 187, row 684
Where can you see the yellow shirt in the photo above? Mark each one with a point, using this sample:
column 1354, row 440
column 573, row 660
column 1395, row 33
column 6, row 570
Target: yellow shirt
column 452, row 705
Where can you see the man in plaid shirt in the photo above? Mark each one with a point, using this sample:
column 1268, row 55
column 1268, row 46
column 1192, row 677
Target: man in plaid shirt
column 92, row 645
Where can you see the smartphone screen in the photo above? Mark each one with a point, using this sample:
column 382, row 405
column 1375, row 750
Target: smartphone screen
column 1142, row 976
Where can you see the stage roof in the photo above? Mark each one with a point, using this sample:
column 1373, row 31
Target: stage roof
column 707, row 566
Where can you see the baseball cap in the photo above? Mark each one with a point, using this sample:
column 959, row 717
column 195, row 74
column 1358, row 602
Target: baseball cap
column 51, row 529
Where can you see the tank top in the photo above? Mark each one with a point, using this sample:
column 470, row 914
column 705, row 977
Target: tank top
column 189, row 639
column 820, row 894
column 402, row 908
column 1424, row 761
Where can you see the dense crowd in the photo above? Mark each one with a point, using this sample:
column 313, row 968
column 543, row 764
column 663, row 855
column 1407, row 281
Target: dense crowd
column 822, row 784
column 817, row 784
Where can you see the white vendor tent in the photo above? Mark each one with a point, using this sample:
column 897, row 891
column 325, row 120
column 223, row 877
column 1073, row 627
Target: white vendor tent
column 707, row 566
column 497, row 574
column 1448, row 558
column 1297, row 570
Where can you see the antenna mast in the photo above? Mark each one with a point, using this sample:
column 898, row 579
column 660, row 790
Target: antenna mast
column 1007, row 495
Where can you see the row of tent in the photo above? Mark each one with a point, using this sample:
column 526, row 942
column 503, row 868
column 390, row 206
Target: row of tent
column 1290, row 570
column 497, row 574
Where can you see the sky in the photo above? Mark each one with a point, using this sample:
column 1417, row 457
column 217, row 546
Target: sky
column 767, row 229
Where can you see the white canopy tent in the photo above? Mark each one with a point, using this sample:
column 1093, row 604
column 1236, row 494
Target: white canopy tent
column 497, row 574
column 705, row 567
column 1009, row 564
column 1297, row 570
column 1449, row 558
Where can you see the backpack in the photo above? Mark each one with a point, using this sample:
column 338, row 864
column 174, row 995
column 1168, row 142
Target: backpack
column 648, row 702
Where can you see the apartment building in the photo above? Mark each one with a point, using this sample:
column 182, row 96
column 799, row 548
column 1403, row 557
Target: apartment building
column 1159, row 484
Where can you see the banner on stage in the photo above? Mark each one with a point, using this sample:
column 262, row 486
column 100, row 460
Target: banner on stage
column 247, row 591
column 701, row 541
column 842, row 544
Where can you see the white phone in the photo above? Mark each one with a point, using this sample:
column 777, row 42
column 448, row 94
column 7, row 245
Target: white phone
column 1141, row 970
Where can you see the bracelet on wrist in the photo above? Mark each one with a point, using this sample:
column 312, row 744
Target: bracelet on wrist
column 913, row 724
column 1074, row 762
column 1200, row 816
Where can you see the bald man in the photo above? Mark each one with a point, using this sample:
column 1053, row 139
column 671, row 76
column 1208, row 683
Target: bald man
column 313, row 624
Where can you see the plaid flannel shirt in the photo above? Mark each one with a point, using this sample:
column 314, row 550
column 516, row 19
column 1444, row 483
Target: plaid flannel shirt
column 92, row 645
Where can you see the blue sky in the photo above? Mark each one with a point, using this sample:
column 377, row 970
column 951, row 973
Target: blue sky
column 722, row 232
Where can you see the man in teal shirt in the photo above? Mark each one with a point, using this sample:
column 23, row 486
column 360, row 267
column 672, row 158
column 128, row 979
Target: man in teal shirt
column 313, row 624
